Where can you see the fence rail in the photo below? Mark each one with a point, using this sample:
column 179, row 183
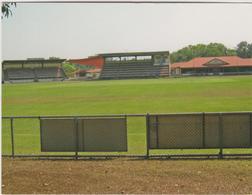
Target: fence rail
column 193, row 132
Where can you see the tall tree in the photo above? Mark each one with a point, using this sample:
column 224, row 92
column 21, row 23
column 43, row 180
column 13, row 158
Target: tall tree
column 250, row 50
column 244, row 49
column 6, row 9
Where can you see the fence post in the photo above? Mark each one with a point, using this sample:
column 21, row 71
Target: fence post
column 77, row 137
column 221, row 135
column 12, row 138
column 203, row 130
column 147, row 135
column 250, row 120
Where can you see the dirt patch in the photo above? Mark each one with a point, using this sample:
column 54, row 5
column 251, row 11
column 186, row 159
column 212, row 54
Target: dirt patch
column 126, row 176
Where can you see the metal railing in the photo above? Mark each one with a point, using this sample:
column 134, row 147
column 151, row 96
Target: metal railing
column 172, row 132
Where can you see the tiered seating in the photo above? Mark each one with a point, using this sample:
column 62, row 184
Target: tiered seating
column 30, row 74
column 20, row 73
column 131, row 70
column 46, row 73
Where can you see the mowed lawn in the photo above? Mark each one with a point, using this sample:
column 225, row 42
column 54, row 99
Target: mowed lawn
column 170, row 95
column 197, row 94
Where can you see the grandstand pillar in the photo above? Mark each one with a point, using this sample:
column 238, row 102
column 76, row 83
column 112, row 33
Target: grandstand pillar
column 169, row 65
column 35, row 76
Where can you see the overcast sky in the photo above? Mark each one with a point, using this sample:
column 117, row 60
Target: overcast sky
column 80, row 30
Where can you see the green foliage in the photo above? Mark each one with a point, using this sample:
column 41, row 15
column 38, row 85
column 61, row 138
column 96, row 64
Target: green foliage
column 69, row 69
column 244, row 49
column 201, row 50
column 6, row 9
column 231, row 52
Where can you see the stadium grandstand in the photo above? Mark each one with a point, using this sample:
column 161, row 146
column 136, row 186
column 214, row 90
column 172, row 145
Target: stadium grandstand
column 32, row 70
column 135, row 65
column 124, row 65
column 225, row 65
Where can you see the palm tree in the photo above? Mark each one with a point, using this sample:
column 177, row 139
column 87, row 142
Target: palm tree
column 6, row 9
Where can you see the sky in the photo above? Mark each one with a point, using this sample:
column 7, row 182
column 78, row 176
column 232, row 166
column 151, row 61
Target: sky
column 78, row 30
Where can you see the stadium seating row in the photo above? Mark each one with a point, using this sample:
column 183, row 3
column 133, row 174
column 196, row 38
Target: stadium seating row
column 13, row 74
column 133, row 70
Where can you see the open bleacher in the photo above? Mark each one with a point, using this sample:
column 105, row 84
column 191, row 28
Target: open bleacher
column 135, row 65
column 51, row 72
column 33, row 70
column 19, row 73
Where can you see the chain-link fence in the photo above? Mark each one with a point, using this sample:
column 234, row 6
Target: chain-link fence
column 200, row 131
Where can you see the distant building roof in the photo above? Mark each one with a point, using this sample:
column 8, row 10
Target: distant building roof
column 223, row 61
column 29, row 61
column 133, row 53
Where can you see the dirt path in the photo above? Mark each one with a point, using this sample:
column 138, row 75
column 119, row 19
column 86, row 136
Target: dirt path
column 126, row 176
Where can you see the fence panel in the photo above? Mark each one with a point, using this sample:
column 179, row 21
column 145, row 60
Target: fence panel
column 212, row 132
column 85, row 134
column 104, row 134
column 58, row 135
column 176, row 131
column 236, row 130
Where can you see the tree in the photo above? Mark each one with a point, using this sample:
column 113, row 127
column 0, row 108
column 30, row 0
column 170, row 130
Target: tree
column 250, row 50
column 201, row 50
column 6, row 9
column 244, row 49
column 231, row 52
column 216, row 49
column 69, row 69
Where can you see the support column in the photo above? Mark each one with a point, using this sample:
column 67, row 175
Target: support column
column 220, row 135
column 12, row 138
column 147, row 135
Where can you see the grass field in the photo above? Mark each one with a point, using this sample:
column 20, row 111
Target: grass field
column 194, row 94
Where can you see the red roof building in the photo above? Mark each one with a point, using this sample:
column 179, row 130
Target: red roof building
column 94, row 61
column 213, row 65
column 88, row 66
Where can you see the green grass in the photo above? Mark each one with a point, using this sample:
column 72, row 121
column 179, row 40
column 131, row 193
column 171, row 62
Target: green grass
column 192, row 94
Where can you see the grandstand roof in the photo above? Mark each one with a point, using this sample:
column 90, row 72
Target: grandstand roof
column 33, row 61
column 223, row 61
column 133, row 53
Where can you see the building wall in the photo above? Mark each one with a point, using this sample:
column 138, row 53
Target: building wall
column 216, row 70
column 96, row 61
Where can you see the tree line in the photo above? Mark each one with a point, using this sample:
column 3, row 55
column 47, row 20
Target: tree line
column 243, row 50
